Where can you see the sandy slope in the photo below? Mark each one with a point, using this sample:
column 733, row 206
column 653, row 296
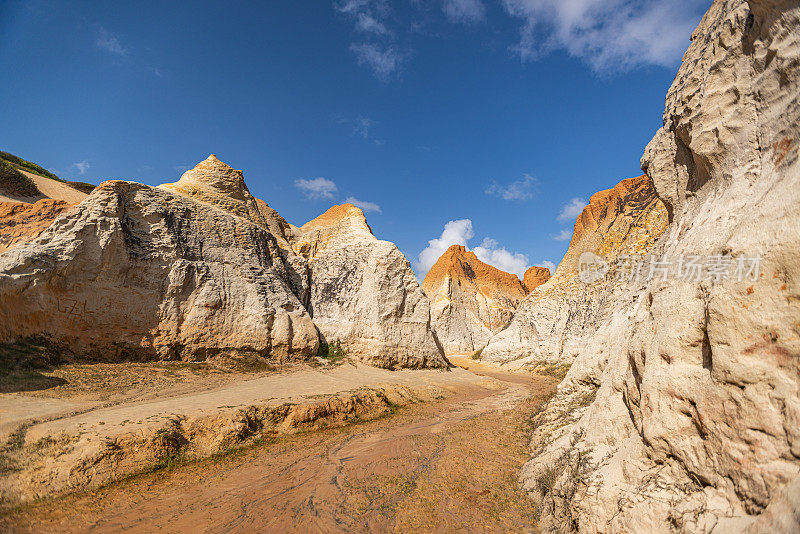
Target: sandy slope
column 49, row 188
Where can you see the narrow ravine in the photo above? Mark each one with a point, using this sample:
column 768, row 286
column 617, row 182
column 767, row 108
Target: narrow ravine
column 447, row 465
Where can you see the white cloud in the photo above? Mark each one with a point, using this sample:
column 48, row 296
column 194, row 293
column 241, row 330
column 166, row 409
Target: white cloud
column 369, row 24
column 459, row 232
column 463, row 11
column 571, row 209
column 609, row 34
column 363, row 204
column 519, row 190
column 563, row 235
column 382, row 60
column 316, row 188
column 455, row 233
column 82, row 166
column 490, row 251
column 110, row 43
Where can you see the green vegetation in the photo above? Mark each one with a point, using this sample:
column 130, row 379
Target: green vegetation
column 83, row 187
column 333, row 352
column 28, row 166
column 13, row 182
column 477, row 354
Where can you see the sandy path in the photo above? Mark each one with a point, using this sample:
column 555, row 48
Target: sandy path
column 441, row 466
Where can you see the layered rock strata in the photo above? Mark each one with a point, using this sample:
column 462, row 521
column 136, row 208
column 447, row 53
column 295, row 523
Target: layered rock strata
column 470, row 300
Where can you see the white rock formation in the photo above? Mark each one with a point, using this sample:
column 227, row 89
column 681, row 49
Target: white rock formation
column 364, row 293
column 140, row 272
column 683, row 411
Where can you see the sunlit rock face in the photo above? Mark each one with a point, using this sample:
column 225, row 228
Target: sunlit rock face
column 364, row 293
column 470, row 300
column 553, row 324
column 682, row 410
column 182, row 271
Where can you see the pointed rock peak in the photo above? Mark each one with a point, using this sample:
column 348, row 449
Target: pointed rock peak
column 534, row 277
column 459, row 263
column 216, row 183
column 340, row 216
column 214, row 174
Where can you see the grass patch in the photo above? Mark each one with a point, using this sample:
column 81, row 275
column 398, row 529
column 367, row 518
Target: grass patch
column 83, row 187
column 28, row 166
column 333, row 352
column 558, row 371
column 14, row 183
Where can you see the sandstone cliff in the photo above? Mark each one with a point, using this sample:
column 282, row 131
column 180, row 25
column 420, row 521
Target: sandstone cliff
column 681, row 412
column 364, row 293
column 140, row 272
column 470, row 300
column 552, row 325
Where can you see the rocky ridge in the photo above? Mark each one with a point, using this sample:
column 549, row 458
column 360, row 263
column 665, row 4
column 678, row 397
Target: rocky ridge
column 470, row 300
column 200, row 267
column 681, row 411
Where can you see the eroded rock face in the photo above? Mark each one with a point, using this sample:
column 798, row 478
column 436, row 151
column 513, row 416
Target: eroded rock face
column 364, row 293
column 21, row 222
column 140, row 272
column 553, row 324
column 534, row 277
column 470, row 300
column 683, row 411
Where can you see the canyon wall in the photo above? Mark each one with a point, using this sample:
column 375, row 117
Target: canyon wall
column 553, row 324
column 681, row 412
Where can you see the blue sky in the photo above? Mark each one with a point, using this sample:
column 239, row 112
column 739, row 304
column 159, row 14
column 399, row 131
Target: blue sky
column 479, row 122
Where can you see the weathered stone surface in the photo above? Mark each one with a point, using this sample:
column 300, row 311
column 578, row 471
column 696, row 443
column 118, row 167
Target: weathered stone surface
column 534, row 277
column 470, row 300
column 21, row 222
column 364, row 293
column 140, row 272
column 682, row 413
column 552, row 325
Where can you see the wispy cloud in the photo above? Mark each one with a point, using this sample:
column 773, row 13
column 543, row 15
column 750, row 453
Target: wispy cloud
column 571, row 209
column 459, row 232
column 382, row 60
column 110, row 43
column 519, row 190
column 611, row 35
column 363, row 204
column 82, row 166
column 563, row 235
column 464, row 11
column 316, row 188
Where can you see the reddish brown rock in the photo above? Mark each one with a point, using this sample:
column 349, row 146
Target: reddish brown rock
column 470, row 300
column 534, row 277
column 21, row 222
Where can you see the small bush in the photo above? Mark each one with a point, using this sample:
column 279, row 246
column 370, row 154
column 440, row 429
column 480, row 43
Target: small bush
column 13, row 182
column 332, row 351
column 83, row 187
column 477, row 354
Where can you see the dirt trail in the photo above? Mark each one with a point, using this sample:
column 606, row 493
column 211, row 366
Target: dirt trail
column 448, row 465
